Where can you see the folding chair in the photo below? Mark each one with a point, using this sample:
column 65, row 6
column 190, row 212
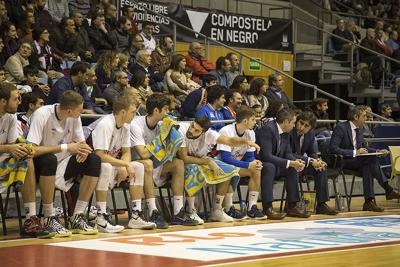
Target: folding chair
column 394, row 158
column 17, row 201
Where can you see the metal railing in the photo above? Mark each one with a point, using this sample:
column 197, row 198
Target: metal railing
column 237, row 51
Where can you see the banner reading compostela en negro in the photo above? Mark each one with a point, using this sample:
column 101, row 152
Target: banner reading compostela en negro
column 231, row 29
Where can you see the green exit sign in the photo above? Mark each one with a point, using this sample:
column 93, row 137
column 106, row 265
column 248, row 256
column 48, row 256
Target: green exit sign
column 254, row 65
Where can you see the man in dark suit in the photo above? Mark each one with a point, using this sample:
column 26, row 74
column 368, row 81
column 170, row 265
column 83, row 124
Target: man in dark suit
column 347, row 140
column 275, row 91
column 304, row 147
column 278, row 160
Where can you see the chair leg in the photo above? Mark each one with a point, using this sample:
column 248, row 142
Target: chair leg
column 114, row 206
column 40, row 214
column 336, row 192
column 209, row 198
column 18, row 209
column 283, row 195
column 171, row 207
column 3, row 216
column 64, row 207
column 239, row 192
column 203, row 197
column 162, row 202
column 346, row 192
column 351, row 188
column 89, row 205
column 308, row 183
column 7, row 199
column 128, row 207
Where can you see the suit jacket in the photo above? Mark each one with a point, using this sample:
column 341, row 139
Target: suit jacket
column 273, row 97
column 308, row 147
column 342, row 140
column 268, row 139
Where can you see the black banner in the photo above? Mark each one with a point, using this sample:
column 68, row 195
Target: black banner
column 231, row 29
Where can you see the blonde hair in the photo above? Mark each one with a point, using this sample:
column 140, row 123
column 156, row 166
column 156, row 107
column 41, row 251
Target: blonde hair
column 106, row 60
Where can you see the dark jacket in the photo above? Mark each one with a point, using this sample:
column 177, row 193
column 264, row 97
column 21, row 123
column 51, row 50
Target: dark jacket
column 83, row 43
column 273, row 97
column 119, row 40
column 309, row 146
column 99, row 40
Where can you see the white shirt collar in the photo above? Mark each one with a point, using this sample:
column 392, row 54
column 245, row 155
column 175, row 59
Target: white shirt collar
column 353, row 127
column 280, row 131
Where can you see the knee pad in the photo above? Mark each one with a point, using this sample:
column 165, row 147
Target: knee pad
column 93, row 165
column 139, row 173
column 105, row 177
column 48, row 165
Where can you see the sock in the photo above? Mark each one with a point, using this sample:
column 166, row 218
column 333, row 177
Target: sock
column 80, row 207
column 30, row 209
column 190, row 202
column 102, row 207
column 137, row 205
column 253, row 197
column 151, row 204
column 48, row 210
column 178, row 204
column 218, row 202
column 228, row 200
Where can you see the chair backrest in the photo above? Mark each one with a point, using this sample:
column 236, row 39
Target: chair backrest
column 395, row 153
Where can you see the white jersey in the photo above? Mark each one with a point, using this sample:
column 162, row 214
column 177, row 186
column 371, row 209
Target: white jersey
column 198, row 147
column 47, row 130
column 141, row 134
column 8, row 129
column 106, row 136
column 149, row 45
column 237, row 152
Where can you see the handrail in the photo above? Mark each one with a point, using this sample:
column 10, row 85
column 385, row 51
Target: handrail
column 314, row 87
column 356, row 16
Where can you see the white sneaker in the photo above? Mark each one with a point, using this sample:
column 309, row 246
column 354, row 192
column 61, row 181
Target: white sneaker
column 219, row 215
column 193, row 215
column 104, row 225
column 137, row 221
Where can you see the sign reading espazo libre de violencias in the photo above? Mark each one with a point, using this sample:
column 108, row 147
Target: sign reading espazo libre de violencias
column 231, row 29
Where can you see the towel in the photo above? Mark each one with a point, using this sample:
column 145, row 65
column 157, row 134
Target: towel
column 197, row 175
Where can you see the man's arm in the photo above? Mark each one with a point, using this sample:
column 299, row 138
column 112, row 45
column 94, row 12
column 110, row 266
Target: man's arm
column 183, row 155
column 143, row 152
column 236, row 141
column 106, row 158
column 336, row 139
column 265, row 139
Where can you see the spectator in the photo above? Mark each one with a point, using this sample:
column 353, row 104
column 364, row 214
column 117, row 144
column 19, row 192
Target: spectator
column 117, row 87
column 256, row 94
column 107, row 64
column 79, row 6
column 353, row 29
column 110, row 14
column 75, row 82
column 240, row 83
column 147, row 34
column 319, row 107
column 98, row 34
column 3, row 57
column 161, row 57
column 129, row 12
column 30, row 103
column 43, row 16
column 15, row 64
column 386, row 111
column 3, row 14
column 196, row 60
column 392, row 42
column 212, row 110
column 380, row 43
column 137, row 44
column 10, row 39
column 373, row 61
column 95, row 93
column 223, row 66
column 58, row 9
column 257, row 109
column 369, row 128
column 27, row 25
column 30, row 83
column 64, row 40
column 272, row 111
column 235, row 68
column 2, row 74
column 341, row 31
column 188, row 72
column 120, row 36
column 275, row 90
column 370, row 21
column 123, row 64
column 140, row 82
column 232, row 104
column 174, row 78
column 84, row 47
column 197, row 98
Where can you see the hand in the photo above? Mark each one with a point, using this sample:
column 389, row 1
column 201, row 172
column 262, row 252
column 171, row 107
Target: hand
column 18, row 151
column 122, row 174
column 80, row 158
column 101, row 101
column 252, row 144
column 102, row 28
column 361, row 151
column 297, row 164
column 255, row 165
column 384, row 151
column 45, row 89
column 216, row 169
column 79, row 148
column 130, row 171
column 318, row 164
column 52, row 74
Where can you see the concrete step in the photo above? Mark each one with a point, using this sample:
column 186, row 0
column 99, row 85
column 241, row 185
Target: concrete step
column 313, row 64
column 335, row 77
column 372, row 92
column 302, row 47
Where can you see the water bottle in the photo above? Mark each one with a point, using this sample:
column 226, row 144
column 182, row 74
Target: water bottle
column 342, row 207
column 340, row 202
column 243, row 207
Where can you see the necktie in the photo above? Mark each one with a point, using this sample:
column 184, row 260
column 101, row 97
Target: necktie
column 358, row 138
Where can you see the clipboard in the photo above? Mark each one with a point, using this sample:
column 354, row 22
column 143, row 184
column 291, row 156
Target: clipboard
column 371, row 154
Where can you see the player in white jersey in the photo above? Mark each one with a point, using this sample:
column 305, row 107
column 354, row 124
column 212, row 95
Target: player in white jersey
column 243, row 157
column 9, row 101
column 61, row 156
column 111, row 142
column 143, row 130
column 197, row 138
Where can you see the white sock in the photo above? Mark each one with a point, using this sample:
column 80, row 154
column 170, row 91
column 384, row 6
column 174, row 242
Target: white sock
column 137, row 204
column 190, row 202
column 218, row 202
column 253, row 197
column 48, row 210
column 80, row 207
column 102, row 206
column 151, row 204
column 228, row 200
column 178, row 204
column 30, row 209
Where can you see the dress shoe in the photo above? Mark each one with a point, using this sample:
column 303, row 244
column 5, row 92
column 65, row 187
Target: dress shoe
column 322, row 208
column 273, row 215
column 371, row 206
column 392, row 195
column 295, row 212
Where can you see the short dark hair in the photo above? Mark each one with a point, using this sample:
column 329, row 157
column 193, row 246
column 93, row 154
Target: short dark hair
column 31, row 70
column 30, row 98
column 204, row 122
column 318, row 101
column 255, row 86
column 208, row 78
column 79, row 67
column 187, row 70
column 6, row 89
column 220, row 62
column 125, row 9
column 355, row 111
column 285, row 114
column 175, row 61
column 147, row 23
column 70, row 99
column 97, row 14
column 273, row 108
column 229, row 55
column 237, row 82
column 384, row 107
column 229, row 94
column 309, row 117
column 214, row 93
column 243, row 113
column 37, row 32
column 273, row 78
column 122, row 20
column 157, row 101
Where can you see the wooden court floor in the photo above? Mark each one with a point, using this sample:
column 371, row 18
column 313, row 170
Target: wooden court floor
column 15, row 251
